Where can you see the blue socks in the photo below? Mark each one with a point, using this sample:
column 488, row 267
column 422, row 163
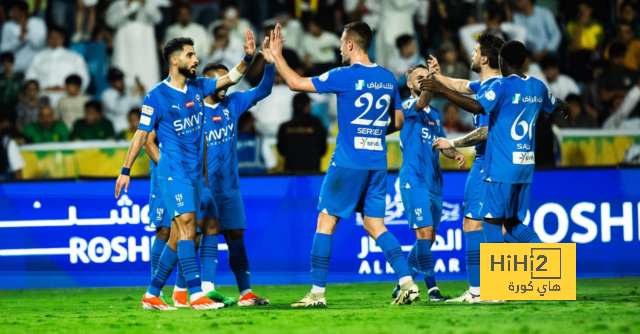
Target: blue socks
column 425, row 259
column 167, row 262
column 320, row 256
column 492, row 233
column 393, row 252
column 180, row 281
column 209, row 256
column 474, row 239
column 189, row 265
column 239, row 263
column 522, row 234
column 156, row 251
column 412, row 259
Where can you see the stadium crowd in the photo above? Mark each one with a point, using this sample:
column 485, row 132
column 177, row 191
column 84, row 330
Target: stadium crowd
column 79, row 69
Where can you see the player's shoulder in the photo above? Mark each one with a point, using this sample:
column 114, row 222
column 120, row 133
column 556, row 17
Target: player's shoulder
column 406, row 104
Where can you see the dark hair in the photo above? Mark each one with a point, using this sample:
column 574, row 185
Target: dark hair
column 217, row 28
column 494, row 10
column 490, row 47
column 135, row 111
column 415, row 67
column 58, row 29
column 175, row 45
column 214, row 67
column 6, row 56
column 617, row 50
column 114, row 74
column 73, row 80
column 300, row 101
column 182, row 5
column 95, row 105
column 548, row 61
column 403, row 40
column 28, row 82
column 361, row 34
column 21, row 6
column 245, row 118
column 573, row 98
column 514, row 53
column 307, row 19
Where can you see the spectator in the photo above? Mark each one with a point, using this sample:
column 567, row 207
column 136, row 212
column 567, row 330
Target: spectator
column 81, row 34
column 11, row 161
column 543, row 35
column 622, row 116
column 617, row 79
column 93, row 126
column 590, row 96
column 29, row 104
column 254, row 154
column 70, row 108
column 205, row 11
column 532, row 68
column 396, row 20
column 135, row 49
column 367, row 11
column 51, row 66
column 407, row 56
column 302, row 141
column 276, row 109
column 23, row 36
column 625, row 36
column 585, row 36
column 292, row 31
column 117, row 99
column 47, row 129
column 9, row 82
column 628, row 15
column 319, row 48
column 134, row 121
column 560, row 85
column 451, row 121
column 223, row 50
column 451, row 66
column 234, row 23
column 185, row 27
column 578, row 118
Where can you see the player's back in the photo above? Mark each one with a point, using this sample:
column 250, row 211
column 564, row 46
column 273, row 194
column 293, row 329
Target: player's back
column 365, row 94
column 510, row 154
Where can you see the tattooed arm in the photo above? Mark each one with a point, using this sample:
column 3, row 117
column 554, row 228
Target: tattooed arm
column 452, row 153
column 473, row 138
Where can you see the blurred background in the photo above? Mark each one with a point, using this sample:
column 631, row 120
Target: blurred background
column 74, row 73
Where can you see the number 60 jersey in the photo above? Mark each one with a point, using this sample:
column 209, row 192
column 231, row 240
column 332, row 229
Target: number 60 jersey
column 365, row 94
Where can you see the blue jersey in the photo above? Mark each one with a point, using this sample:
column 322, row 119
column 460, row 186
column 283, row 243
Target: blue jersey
column 220, row 127
column 481, row 120
column 176, row 115
column 420, row 166
column 513, row 105
column 365, row 94
column 153, row 170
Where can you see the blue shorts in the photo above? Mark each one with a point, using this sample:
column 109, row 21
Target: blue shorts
column 181, row 195
column 423, row 207
column 504, row 200
column 471, row 204
column 231, row 211
column 346, row 190
column 158, row 216
column 208, row 207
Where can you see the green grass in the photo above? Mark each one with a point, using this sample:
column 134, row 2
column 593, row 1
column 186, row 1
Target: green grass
column 602, row 306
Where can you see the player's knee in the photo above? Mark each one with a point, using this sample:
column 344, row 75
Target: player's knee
column 374, row 226
column 209, row 226
column 163, row 233
column 230, row 235
column 425, row 233
column 469, row 225
column 327, row 223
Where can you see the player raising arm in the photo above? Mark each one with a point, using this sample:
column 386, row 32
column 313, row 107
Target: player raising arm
column 174, row 109
column 357, row 175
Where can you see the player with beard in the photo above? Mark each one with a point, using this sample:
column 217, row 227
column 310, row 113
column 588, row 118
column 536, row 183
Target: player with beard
column 174, row 109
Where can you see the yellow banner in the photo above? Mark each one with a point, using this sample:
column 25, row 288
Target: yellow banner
column 528, row 271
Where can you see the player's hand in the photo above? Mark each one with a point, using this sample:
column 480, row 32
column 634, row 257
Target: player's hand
column 434, row 66
column 250, row 45
column 276, row 42
column 123, row 180
column 266, row 52
column 431, row 85
column 462, row 160
column 440, row 144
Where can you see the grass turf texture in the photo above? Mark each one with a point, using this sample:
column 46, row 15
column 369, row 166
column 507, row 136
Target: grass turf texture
column 602, row 306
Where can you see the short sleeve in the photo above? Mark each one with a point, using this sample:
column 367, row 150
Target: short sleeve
column 334, row 81
column 492, row 98
column 483, row 120
column 408, row 108
column 397, row 102
column 474, row 86
column 151, row 112
column 242, row 101
column 549, row 101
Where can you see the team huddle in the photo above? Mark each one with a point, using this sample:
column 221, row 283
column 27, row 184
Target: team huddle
column 195, row 192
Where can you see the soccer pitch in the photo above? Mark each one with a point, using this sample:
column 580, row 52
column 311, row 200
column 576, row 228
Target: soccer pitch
column 602, row 306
